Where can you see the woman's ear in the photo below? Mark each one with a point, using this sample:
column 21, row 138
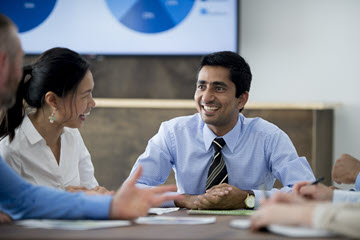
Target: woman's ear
column 52, row 99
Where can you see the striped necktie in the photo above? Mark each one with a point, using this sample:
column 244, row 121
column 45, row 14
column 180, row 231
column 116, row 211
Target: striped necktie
column 217, row 172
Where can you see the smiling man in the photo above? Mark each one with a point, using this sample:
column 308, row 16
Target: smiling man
column 220, row 158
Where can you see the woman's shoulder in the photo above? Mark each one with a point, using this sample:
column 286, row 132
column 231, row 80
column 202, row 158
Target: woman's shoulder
column 15, row 145
column 4, row 145
column 8, row 150
column 72, row 136
column 73, row 132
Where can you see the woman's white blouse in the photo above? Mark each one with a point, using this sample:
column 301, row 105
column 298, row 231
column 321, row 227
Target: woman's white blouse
column 33, row 160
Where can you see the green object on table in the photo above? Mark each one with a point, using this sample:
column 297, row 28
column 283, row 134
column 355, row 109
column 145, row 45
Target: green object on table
column 239, row 212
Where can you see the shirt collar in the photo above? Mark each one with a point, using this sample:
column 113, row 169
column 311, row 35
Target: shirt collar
column 230, row 138
column 30, row 131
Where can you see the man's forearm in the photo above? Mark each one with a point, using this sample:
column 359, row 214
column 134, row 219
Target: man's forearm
column 187, row 202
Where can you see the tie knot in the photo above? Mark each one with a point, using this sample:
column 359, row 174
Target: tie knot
column 218, row 144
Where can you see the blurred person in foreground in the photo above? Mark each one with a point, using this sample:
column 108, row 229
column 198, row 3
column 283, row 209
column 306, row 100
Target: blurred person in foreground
column 22, row 200
column 290, row 209
column 318, row 206
column 346, row 170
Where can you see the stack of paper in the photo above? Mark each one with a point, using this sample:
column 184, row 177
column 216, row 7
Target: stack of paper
column 175, row 220
column 72, row 224
column 160, row 211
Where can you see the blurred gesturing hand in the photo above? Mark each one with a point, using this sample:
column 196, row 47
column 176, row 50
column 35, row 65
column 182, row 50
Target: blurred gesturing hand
column 284, row 209
column 130, row 201
column 346, row 169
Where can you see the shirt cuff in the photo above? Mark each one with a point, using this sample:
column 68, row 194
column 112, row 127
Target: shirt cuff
column 357, row 183
column 168, row 204
column 339, row 196
column 259, row 194
column 96, row 207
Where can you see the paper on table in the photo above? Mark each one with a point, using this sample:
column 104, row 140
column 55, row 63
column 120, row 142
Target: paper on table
column 175, row 220
column 72, row 224
column 239, row 212
column 299, row 231
column 285, row 230
column 160, row 211
column 240, row 223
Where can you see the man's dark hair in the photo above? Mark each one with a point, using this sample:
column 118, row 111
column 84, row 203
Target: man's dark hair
column 240, row 73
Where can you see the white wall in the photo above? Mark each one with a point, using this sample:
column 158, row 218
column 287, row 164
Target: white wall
column 303, row 51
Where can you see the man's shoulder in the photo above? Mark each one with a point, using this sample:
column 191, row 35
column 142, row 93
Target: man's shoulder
column 189, row 122
column 260, row 125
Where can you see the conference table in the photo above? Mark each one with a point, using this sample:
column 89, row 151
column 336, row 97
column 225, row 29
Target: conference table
column 221, row 229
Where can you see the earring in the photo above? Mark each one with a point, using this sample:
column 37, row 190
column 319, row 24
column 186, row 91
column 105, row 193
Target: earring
column 52, row 116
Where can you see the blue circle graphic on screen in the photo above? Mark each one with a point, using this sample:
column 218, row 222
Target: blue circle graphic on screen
column 150, row 16
column 27, row 14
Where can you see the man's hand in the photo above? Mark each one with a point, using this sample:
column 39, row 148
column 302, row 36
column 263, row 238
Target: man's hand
column 4, row 218
column 318, row 192
column 223, row 196
column 188, row 201
column 346, row 169
column 192, row 201
column 130, row 202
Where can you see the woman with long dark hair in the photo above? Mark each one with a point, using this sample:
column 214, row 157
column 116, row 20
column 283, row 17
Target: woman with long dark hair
column 41, row 141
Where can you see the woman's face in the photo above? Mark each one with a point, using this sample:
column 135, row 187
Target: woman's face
column 77, row 106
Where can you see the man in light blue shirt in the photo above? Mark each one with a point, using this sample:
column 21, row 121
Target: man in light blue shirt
column 21, row 200
column 255, row 153
column 346, row 170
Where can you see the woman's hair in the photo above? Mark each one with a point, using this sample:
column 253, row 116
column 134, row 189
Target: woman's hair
column 59, row 70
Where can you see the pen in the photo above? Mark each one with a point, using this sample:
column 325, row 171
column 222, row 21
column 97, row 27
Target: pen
column 320, row 179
